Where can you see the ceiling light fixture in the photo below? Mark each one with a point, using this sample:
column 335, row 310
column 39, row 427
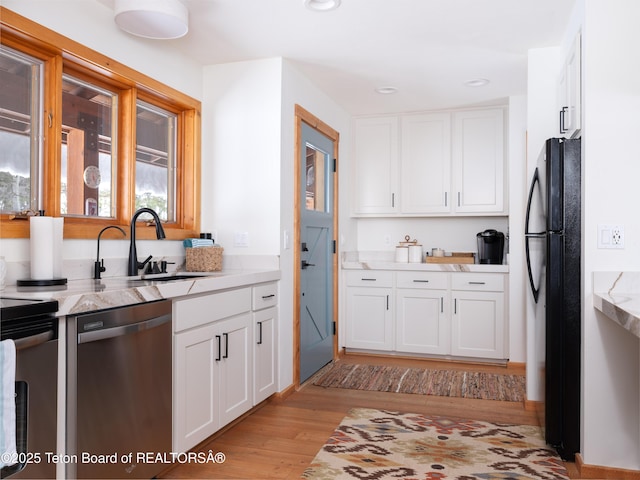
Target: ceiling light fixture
column 157, row 19
column 386, row 90
column 322, row 5
column 477, row 82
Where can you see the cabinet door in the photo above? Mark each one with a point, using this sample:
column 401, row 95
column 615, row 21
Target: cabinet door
column 264, row 354
column 422, row 325
column 477, row 326
column 370, row 320
column 426, row 163
column 195, row 416
column 570, row 92
column 376, row 165
column 478, row 161
column 235, row 395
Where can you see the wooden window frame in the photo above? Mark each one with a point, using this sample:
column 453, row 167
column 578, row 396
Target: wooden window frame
column 63, row 55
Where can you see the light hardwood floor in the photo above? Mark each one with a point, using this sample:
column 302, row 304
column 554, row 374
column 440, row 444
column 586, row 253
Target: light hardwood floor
column 279, row 439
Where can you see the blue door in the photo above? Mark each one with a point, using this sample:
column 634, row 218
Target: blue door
column 316, row 251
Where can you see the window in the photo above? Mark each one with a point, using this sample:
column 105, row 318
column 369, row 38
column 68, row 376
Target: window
column 156, row 137
column 20, row 117
column 84, row 137
column 89, row 125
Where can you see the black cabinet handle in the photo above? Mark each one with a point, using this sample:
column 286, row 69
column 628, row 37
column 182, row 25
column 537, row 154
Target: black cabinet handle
column 368, row 279
column 218, row 358
column 421, row 281
column 259, row 333
column 455, row 306
column 477, row 283
column 441, row 304
column 226, row 345
column 387, row 302
column 264, row 297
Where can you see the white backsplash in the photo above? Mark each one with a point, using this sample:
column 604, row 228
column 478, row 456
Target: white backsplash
column 453, row 234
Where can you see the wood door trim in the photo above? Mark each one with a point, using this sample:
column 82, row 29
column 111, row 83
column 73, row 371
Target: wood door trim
column 302, row 115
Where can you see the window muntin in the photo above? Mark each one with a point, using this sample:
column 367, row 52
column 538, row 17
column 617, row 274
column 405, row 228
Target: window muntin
column 20, row 130
column 89, row 126
column 156, row 160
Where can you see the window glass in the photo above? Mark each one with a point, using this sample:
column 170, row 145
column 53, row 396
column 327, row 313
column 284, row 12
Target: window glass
column 316, row 166
column 88, row 146
column 156, row 138
column 20, row 125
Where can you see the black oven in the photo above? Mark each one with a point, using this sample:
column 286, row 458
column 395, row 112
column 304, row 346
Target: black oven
column 33, row 327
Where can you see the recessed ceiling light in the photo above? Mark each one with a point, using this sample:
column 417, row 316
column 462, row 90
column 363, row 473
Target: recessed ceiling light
column 477, row 82
column 322, row 5
column 386, row 90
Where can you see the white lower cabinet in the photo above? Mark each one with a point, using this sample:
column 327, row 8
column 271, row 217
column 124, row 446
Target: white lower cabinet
column 422, row 303
column 478, row 323
column 369, row 310
column 264, row 358
column 224, row 359
column 431, row 313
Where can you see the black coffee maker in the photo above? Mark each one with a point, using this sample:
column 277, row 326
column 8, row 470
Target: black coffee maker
column 490, row 247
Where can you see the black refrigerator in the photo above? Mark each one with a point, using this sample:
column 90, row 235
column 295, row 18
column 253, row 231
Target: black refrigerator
column 553, row 245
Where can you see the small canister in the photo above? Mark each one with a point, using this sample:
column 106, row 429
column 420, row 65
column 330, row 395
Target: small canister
column 402, row 254
column 415, row 253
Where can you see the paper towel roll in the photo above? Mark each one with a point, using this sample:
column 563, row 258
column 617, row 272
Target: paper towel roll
column 41, row 247
column 58, row 228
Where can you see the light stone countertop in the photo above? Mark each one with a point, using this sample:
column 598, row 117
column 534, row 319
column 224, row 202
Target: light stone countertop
column 617, row 295
column 385, row 261
column 86, row 295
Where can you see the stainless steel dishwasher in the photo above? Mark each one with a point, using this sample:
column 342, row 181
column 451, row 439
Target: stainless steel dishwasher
column 119, row 391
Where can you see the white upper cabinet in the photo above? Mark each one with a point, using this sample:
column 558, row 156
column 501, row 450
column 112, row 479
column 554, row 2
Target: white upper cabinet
column 426, row 163
column 478, row 161
column 430, row 164
column 569, row 92
column 376, row 165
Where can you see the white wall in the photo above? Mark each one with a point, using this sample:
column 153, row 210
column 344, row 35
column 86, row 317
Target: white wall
column 248, row 155
column 241, row 155
column 517, row 155
column 542, row 117
column 611, row 102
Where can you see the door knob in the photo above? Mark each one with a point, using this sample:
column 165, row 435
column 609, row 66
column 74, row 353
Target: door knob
column 306, row 264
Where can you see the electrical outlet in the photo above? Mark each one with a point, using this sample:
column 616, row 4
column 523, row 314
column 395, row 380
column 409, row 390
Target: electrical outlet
column 241, row 239
column 610, row 236
column 387, row 239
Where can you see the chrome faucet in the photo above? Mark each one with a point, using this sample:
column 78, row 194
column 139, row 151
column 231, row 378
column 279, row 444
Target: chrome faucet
column 134, row 264
column 98, row 266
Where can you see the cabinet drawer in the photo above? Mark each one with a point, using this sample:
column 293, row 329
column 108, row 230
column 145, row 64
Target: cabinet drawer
column 369, row 278
column 429, row 280
column 265, row 296
column 478, row 282
column 193, row 312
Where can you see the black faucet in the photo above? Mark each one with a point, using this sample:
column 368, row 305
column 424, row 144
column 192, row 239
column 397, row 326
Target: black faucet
column 134, row 264
column 98, row 266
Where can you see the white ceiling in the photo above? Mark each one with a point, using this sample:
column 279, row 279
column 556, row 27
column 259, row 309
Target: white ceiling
column 425, row 48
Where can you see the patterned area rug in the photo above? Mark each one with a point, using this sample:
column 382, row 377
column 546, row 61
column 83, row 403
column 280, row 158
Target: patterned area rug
column 380, row 444
column 448, row 383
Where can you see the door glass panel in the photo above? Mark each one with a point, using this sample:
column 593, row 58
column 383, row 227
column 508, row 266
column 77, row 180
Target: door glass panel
column 316, row 166
column 156, row 136
column 20, row 126
column 88, row 143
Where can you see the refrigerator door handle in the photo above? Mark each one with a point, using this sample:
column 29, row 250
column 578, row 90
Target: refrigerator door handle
column 528, row 235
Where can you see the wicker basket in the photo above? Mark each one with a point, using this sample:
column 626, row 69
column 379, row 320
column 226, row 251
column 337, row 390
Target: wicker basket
column 204, row 259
